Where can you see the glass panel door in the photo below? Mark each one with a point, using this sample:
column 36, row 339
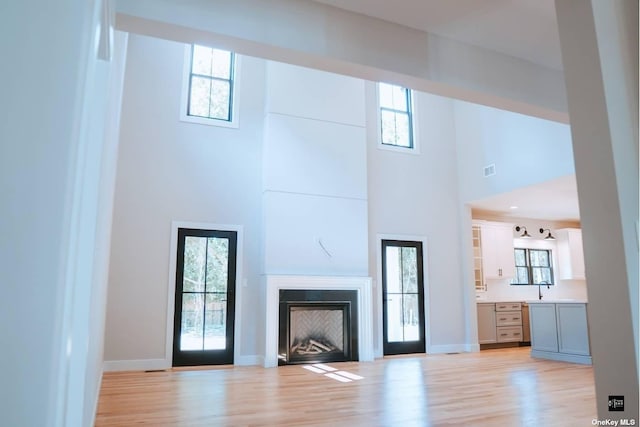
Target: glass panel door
column 402, row 297
column 204, row 303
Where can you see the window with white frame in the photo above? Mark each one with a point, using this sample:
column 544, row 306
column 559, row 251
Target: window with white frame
column 209, row 86
column 396, row 116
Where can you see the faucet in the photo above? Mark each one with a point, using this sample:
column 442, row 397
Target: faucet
column 544, row 282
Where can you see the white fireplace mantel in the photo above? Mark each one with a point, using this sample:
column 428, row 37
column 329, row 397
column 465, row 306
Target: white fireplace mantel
column 360, row 284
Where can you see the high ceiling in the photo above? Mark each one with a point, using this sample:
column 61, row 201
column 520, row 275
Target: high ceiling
column 525, row 29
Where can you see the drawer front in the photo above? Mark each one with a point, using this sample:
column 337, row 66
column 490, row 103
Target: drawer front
column 509, row 333
column 509, row 318
column 508, row 306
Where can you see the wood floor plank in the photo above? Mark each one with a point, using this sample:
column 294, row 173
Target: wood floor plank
column 503, row 387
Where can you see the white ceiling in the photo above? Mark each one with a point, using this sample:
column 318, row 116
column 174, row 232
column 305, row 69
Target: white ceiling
column 526, row 29
column 555, row 200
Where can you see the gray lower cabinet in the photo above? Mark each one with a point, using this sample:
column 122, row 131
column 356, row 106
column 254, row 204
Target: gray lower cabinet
column 486, row 323
column 560, row 331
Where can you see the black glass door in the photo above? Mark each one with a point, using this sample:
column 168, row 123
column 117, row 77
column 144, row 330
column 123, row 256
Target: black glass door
column 205, row 297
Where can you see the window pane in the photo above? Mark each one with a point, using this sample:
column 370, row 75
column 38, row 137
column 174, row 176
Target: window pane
column 395, row 128
column 395, row 326
column 220, row 92
column 215, row 337
column 411, row 325
column 391, row 96
column 393, row 269
column 520, row 257
column 522, row 275
column 191, row 337
column 199, row 97
column 541, row 275
column 201, row 61
column 539, row 258
column 221, row 64
column 409, row 270
column 217, row 264
column 194, row 264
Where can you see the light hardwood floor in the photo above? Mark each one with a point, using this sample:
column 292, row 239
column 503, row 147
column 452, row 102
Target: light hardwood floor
column 492, row 388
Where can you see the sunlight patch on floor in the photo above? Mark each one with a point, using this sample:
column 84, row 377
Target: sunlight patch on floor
column 333, row 373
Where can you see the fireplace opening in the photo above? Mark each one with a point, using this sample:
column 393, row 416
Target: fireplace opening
column 317, row 326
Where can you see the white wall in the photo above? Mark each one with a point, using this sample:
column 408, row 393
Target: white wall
column 417, row 195
column 315, row 179
column 176, row 171
column 525, row 150
column 54, row 182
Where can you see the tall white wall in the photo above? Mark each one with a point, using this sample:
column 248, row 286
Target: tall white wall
column 417, row 195
column 315, row 173
column 525, row 150
column 54, row 186
column 170, row 170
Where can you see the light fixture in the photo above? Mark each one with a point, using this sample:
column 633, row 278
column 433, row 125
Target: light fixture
column 524, row 235
column 548, row 236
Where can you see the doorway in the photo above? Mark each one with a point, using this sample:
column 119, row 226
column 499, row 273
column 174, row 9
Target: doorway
column 402, row 297
column 204, row 309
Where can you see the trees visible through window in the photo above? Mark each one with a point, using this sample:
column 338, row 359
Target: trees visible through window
column 395, row 115
column 211, row 80
column 533, row 267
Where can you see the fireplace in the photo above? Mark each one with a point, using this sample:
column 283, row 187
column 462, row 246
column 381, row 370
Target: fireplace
column 317, row 326
column 359, row 331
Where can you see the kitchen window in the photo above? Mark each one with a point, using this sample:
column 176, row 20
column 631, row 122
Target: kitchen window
column 533, row 267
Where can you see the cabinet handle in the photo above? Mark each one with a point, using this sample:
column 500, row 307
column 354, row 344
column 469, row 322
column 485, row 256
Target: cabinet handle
column 516, row 334
column 503, row 335
column 503, row 318
column 515, row 318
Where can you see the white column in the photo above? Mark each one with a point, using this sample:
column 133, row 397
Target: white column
column 599, row 42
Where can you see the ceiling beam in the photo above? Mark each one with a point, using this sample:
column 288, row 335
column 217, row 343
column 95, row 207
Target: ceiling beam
column 316, row 35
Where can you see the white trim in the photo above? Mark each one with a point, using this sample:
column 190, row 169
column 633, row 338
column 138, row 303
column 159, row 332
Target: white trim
column 235, row 95
column 136, row 365
column 450, row 348
column 171, row 288
column 415, row 150
column 425, row 273
column 365, row 322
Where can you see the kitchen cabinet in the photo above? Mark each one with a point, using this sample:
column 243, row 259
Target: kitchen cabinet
column 559, row 331
column 509, row 322
column 570, row 254
column 486, row 323
column 499, row 322
column 498, row 260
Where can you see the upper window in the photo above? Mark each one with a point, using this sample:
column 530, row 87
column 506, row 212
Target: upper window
column 396, row 121
column 533, row 267
column 209, row 86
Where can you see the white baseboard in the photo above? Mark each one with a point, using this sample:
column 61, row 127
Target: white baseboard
column 254, row 360
column 450, row 348
column 136, row 365
column 472, row 348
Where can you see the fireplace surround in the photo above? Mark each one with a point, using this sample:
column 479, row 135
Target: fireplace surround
column 362, row 347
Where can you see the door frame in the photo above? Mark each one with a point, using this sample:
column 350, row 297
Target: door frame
column 171, row 291
column 379, row 352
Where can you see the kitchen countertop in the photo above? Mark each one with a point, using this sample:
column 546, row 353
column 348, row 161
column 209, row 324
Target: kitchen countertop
column 558, row 301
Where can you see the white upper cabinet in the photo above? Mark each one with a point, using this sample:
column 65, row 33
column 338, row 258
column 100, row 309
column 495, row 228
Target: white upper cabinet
column 570, row 254
column 498, row 260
